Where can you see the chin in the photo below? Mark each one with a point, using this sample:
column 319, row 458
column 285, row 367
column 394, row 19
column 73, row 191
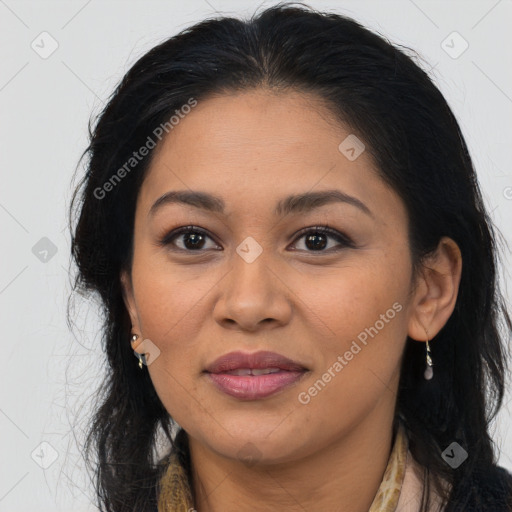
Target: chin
column 256, row 445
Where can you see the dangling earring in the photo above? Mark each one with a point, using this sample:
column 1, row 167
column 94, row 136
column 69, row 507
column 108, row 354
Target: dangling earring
column 429, row 372
column 134, row 338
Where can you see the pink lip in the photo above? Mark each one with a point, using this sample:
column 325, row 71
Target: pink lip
column 262, row 359
column 254, row 387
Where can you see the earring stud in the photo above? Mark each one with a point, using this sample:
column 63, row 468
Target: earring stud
column 134, row 338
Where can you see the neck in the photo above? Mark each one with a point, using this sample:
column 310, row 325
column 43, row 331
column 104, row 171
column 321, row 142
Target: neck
column 347, row 471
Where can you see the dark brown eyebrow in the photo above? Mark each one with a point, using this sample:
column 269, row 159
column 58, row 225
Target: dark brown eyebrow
column 300, row 203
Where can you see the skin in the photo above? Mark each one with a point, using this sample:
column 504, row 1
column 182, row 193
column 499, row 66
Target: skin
column 252, row 149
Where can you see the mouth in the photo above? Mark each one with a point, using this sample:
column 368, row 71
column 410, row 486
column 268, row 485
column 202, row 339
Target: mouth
column 254, row 376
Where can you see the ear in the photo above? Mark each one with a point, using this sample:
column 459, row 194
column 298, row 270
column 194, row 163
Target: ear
column 436, row 291
column 129, row 301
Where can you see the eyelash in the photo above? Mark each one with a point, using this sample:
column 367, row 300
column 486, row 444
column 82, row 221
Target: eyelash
column 325, row 229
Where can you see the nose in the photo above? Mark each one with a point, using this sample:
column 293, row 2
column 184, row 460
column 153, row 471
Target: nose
column 253, row 297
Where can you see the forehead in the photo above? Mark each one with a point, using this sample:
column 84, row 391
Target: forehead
column 259, row 146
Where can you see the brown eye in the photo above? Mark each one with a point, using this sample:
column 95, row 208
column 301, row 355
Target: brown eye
column 190, row 238
column 317, row 239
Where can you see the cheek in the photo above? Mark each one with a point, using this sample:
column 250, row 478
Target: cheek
column 355, row 299
column 171, row 311
column 359, row 366
column 169, row 301
column 362, row 326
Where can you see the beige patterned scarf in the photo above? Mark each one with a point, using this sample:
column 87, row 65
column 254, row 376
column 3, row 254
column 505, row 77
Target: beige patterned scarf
column 175, row 494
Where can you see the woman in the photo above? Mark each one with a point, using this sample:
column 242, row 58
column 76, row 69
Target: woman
column 284, row 226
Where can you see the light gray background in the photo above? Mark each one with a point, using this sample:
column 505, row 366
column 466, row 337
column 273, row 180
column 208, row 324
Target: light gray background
column 48, row 374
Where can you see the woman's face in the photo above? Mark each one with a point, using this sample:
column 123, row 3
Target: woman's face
column 248, row 278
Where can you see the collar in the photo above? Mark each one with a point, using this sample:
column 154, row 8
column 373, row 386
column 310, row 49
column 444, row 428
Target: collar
column 388, row 493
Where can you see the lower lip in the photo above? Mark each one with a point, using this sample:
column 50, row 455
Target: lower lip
column 249, row 387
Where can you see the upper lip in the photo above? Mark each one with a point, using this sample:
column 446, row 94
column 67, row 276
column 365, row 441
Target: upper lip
column 259, row 360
